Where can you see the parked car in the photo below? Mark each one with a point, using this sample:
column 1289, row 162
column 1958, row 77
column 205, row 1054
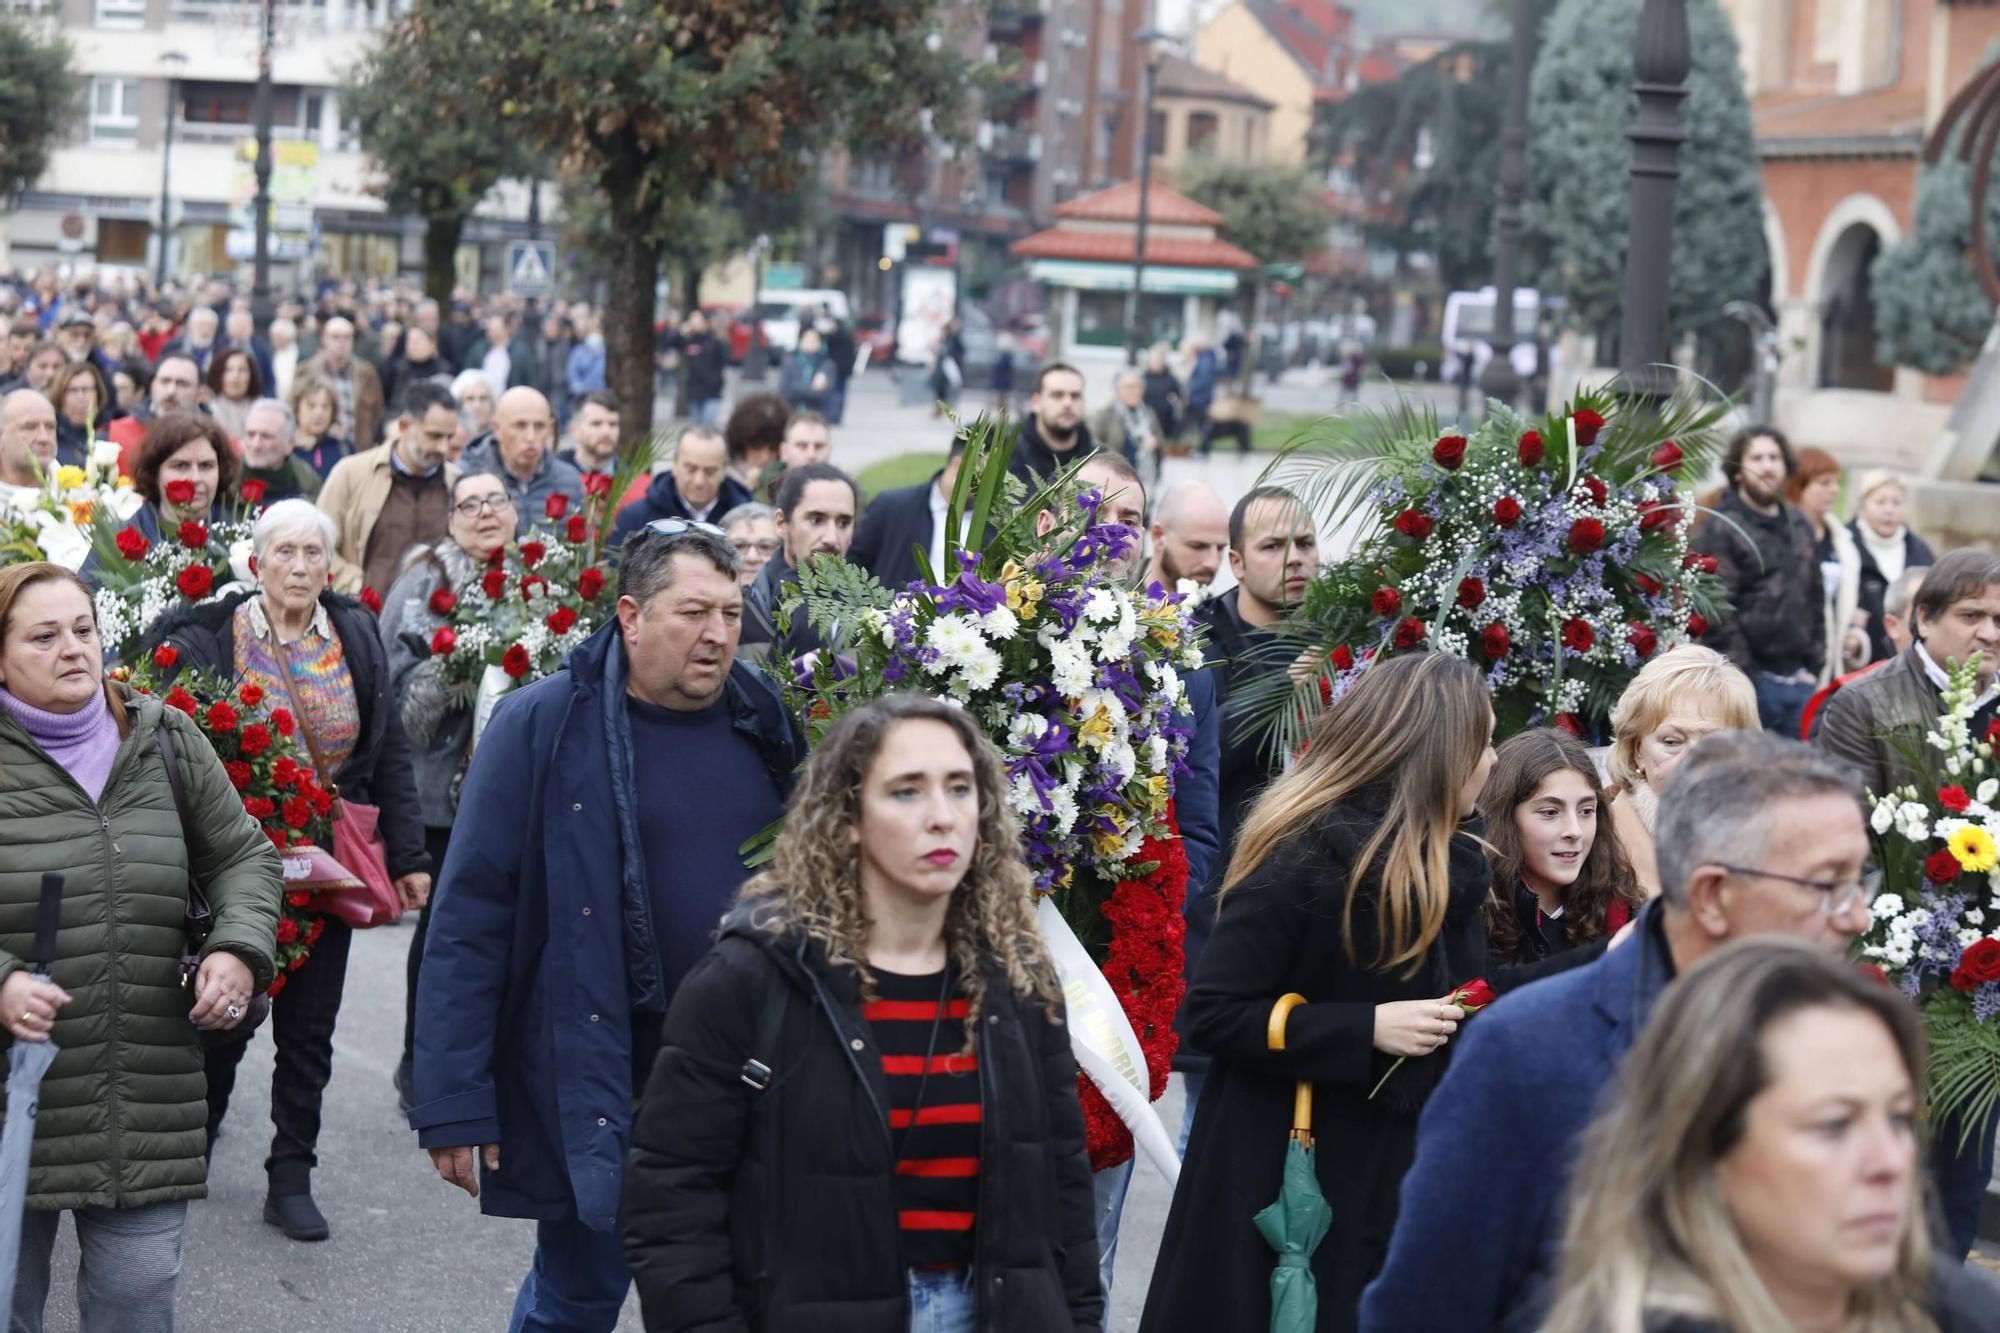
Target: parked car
column 779, row 311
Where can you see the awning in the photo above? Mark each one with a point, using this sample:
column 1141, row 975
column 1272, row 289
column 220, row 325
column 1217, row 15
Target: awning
column 1161, row 280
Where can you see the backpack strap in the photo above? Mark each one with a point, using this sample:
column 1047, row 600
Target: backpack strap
column 759, row 1068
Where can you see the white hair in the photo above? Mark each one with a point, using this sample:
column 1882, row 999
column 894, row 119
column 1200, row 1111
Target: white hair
column 468, row 379
column 287, row 518
column 279, row 406
column 201, row 314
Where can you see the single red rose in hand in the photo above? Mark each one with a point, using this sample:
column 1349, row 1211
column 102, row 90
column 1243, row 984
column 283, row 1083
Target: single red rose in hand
column 561, row 620
column 532, row 553
column 597, row 483
column 1342, row 658
column 1493, row 641
column 1697, row 624
column 1409, row 634
column 1647, row 584
column 195, row 582
column 557, row 506
column 251, row 695
column 515, row 661
column 1578, row 635
column 1570, row 723
column 496, row 557
column 443, row 641
column 590, row 583
column 1414, row 524
column 221, row 717
column 1386, row 602
column 1506, row 511
column 1530, row 449
column 239, row 773
column 1668, row 456
column 494, row 584
column 1704, row 564
column 1588, row 423
column 299, row 898
column 577, row 530
column 282, row 722
column 1449, row 452
column 255, row 740
column 181, row 699
column 1942, row 867
column 192, row 535
column 442, row 601
column 179, row 492
column 1473, row 995
column 288, row 930
column 1955, row 799
column 1643, row 640
column 252, row 491
column 1982, row 959
column 132, row 543
column 1471, row 592
column 372, row 600
column 1586, row 535
column 165, row 656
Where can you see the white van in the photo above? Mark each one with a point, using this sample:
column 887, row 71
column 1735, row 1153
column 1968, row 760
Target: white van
column 779, row 309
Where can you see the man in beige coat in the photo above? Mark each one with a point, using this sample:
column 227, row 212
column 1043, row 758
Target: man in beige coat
column 389, row 500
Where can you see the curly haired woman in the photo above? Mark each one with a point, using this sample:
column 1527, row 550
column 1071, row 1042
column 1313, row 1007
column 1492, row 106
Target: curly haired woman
column 864, row 1112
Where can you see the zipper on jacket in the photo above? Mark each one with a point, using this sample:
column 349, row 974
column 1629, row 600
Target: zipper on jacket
column 113, row 1010
column 980, row 1231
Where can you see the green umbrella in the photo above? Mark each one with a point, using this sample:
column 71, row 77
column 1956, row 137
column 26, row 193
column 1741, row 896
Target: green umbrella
column 1296, row 1221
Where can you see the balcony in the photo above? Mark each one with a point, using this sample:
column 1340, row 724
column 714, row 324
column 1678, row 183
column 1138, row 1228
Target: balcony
column 1011, row 143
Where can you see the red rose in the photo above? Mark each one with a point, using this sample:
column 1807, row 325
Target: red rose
column 1493, row 641
column 285, row 772
column 281, row 721
column 1695, row 560
column 1471, row 592
column 239, row 773
column 298, row 812
column 1578, row 635
column 195, row 582
column 1644, row 642
column 1954, row 799
column 515, row 661
column 1473, row 996
column 165, row 656
column 1963, row 980
column 1697, row 624
column 1982, row 960
column 372, row 600
column 1599, row 492
column 1942, row 867
column 193, row 535
column 1409, row 634
column 1386, row 602
column 496, row 557
column 1655, row 514
column 1449, row 452
column 288, row 930
column 299, row 898
column 590, row 583
column 181, row 699
column 443, row 641
column 1530, row 448
column 318, row 925
column 1414, row 524
column 561, row 620
column 1993, row 732
column 277, row 984
column 1506, row 511
column 557, row 506
column 532, row 553
column 1342, row 658
column 1668, row 456
column 597, row 483
column 252, row 491
column 577, row 529
column 1588, row 423
column 132, row 543
column 442, row 601
column 1586, row 535
column 221, row 717
column 1647, row 584
column 1570, row 723
column 259, row 807
column 299, row 961
column 494, row 584
column 179, row 492
column 255, row 740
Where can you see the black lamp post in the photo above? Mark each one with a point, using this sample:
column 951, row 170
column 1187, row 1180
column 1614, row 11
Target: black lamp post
column 260, row 287
column 1150, row 40
column 1660, row 62
column 1498, row 381
column 174, row 62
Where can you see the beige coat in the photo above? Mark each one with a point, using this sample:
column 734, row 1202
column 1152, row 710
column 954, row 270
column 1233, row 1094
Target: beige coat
column 353, row 497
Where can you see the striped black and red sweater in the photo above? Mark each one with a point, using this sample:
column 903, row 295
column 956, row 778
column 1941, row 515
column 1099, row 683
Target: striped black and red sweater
column 934, row 1115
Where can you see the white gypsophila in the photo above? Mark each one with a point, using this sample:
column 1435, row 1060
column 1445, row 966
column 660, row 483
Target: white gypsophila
column 1887, row 905
column 1000, row 624
column 1883, row 816
column 1974, row 916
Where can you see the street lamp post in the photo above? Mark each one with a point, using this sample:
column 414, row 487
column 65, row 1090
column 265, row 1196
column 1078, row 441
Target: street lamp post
column 1150, row 40
column 173, row 62
column 1660, row 62
column 260, row 287
column 1498, row 381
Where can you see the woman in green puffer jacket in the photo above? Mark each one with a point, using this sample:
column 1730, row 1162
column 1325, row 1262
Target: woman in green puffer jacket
column 120, row 1138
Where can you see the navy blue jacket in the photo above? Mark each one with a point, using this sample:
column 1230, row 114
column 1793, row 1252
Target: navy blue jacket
column 663, row 500
column 1197, row 805
column 895, row 525
column 1497, row 1141
column 540, row 950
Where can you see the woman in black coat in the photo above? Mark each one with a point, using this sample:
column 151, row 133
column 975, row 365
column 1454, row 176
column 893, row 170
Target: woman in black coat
column 1887, row 548
column 1355, row 884
column 319, row 655
column 864, row 1107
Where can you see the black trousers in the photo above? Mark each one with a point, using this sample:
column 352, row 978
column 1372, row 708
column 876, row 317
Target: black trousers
column 302, row 1019
column 436, row 840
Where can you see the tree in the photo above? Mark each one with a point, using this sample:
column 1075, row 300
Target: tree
column 422, row 117
column 1579, row 161
column 1930, row 310
column 652, row 102
column 37, row 103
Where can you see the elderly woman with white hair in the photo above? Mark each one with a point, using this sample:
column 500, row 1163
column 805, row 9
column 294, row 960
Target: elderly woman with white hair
column 319, row 655
column 476, row 406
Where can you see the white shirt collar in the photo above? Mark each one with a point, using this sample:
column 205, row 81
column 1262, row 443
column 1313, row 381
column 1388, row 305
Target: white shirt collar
column 260, row 624
column 1942, row 679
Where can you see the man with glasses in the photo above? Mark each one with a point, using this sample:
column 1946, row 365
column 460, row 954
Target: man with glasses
column 1757, row 836
column 561, row 932
column 389, row 500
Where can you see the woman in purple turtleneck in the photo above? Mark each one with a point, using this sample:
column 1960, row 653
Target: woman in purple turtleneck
column 120, row 1139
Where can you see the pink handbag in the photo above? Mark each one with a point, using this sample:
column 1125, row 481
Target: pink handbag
column 363, row 895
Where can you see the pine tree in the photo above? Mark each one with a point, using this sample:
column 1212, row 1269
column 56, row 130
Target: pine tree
column 1930, row 310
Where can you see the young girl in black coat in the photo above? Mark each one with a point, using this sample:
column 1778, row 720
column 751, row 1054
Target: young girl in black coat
column 1357, row 883
column 864, row 1118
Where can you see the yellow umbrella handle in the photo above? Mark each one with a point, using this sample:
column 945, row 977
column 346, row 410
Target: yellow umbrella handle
column 1274, row 1039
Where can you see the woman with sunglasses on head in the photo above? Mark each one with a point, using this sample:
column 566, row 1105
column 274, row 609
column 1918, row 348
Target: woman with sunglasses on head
column 436, row 719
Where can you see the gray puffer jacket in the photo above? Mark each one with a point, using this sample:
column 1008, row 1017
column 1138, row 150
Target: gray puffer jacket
column 437, row 716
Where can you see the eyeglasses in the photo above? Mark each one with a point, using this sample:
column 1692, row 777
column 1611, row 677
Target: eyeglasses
column 749, row 546
column 1836, row 896
column 674, row 527
column 485, row 504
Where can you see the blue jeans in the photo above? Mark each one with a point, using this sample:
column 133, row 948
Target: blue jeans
column 1109, row 1185
column 1781, row 704
column 706, row 411
column 577, row 1284
column 125, row 1277
column 942, row 1301
column 1191, row 1081
column 1962, row 1179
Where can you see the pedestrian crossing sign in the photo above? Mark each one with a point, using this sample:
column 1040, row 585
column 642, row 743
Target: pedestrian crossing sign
column 530, row 267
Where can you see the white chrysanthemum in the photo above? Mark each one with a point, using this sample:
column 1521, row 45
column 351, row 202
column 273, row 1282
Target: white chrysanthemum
column 1887, row 905
column 1120, row 759
column 1975, row 917
column 1000, row 624
column 955, row 640
column 1063, row 803
column 1069, row 669
column 1969, row 937
column 1026, row 729
column 1102, row 606
column 1987, row 791
column 981, row 671
column 1916, row 920
column 1157, row 753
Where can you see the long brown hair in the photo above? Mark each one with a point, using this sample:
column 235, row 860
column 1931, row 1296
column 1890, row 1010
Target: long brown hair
column 17, row 579
column 1418, row 723
column 170, row 434
column 1523, row 764
column 813, row 884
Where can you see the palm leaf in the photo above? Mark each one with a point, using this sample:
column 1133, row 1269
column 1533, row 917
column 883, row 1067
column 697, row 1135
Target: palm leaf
column 1331, row 465
column 1965, row 1069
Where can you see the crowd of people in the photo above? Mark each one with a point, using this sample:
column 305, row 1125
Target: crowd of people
column 837, row 1092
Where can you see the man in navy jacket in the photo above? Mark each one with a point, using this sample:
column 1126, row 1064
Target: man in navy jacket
column 597, row 835
column 1756, row 835
column 898, row 523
